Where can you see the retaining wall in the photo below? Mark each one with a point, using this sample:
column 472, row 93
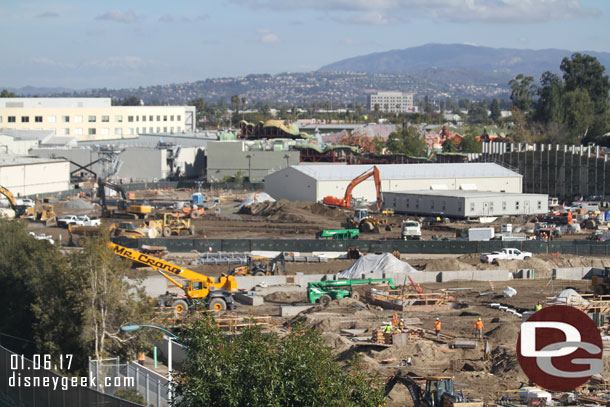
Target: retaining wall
column 576, row 273
column 578, row 247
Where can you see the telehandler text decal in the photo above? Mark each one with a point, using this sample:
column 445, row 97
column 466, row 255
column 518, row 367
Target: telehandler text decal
column 142, row 258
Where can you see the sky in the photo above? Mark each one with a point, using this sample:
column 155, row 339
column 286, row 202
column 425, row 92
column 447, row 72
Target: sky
column 81, row 44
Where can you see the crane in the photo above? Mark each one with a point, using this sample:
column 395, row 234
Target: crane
column 217, row 294
column 346, row 202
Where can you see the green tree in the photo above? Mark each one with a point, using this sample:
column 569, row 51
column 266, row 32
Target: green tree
column 108, row 300
column 235, row 103
column 582, row 71
column 6, row 94
column 449, row 147
column 522, row 91
column 478, row 115
column 469, row 142
column 496, row 112
column 549, row 107
column 407, row 141
column 579, row 113
column 257, row 369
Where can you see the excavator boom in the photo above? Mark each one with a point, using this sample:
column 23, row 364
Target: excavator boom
column 346, row 202
column 9, row 195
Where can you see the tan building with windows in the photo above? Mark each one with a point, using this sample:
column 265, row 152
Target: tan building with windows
column 94, row 118
column 392, row 102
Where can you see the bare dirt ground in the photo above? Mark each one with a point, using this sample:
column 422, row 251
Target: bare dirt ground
column 428, row 356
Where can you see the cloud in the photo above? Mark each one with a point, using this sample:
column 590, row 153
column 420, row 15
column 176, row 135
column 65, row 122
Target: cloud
column 119, row 16
column 267, row 37
column 51, row 63
column 369, row 18
column 385, row 11
column 48, row 14
column 114, row 62
column 166, row 18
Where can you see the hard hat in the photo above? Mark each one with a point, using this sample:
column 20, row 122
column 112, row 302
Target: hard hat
column 402, row 319
column 479, row 318
column 437, row 319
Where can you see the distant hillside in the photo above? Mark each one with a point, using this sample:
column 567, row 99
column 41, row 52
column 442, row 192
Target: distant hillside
column 466, row 60
column 34, row 91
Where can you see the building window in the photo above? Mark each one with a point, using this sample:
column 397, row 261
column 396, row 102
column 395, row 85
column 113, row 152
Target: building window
column 178, row 129
column 539, row 204
column 144, row 118
column 105, row 119
column 150, row 118
column 50, row 119
column 444, row 205
column 65, row 119
column 516, row 205
column 25, row 119
column 432, row 204
column 91, row 119
column 407, row 203
column 118, row 119
column 78, row 119
column 158, row 129
column 491, row 206
column 158, row 118
column 137, row 118
column 471, row 206
column 171, row 129
column 118, row 131
column 164, row 129
column 11, row 119
column 66, row 132
column 178, row 118
column 104, row 131
column 38, row 119
column 129, row 131
column 91, row 132
column 78, row 132
column 164, row 118
column 130, row 119
column 143, row 130
column 171, row 118
column 150, row 129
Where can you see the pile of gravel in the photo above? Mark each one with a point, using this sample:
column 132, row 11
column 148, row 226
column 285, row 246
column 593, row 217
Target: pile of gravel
column 78, row 204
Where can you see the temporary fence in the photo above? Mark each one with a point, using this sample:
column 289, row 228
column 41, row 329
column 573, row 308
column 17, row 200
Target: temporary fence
column 578, row 247
column 27, row 384
column 111, row 375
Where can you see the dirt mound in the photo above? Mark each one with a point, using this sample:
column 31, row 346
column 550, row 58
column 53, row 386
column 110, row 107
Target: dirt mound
column 282, row 297
column 502, row 333
column 288, row 211
column 446, row 265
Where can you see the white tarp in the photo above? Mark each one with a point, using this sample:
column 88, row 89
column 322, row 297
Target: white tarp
column 372, row 263
column 569, row 296
column 256, row 197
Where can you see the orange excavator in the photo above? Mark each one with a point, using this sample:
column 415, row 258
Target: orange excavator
column 346, row 202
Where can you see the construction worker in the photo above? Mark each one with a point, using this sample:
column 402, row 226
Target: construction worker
column 387, row 329
column 401, row 325
column 437, row 327
column 478, row 328
column 538, row 306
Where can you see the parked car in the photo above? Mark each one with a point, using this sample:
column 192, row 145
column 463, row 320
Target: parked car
column 67, row 220
column 505, row 254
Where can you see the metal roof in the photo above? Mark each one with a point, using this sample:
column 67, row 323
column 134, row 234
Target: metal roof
column 330, row 172
column 459, row 193
column 12, row 160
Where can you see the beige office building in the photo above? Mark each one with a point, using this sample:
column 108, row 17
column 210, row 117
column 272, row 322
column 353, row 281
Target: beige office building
column 392, row 102
column 94, row 118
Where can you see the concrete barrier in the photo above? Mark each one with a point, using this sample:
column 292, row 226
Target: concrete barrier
column 292, row 310
column 476, row 275
column 576, row 273
column 249, row 299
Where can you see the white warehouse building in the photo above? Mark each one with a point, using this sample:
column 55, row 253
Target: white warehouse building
column 313, row 182
column 29, row 176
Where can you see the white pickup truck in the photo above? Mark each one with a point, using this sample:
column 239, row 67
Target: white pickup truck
column 505, row 254
column 87, row 221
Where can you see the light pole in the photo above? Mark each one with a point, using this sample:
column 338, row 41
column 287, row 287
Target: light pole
column 170, row 336
column 287, row 157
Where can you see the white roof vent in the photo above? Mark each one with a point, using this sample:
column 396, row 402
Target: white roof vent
column 468, row 187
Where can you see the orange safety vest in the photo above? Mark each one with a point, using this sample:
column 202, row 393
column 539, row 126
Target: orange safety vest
column 478, row 325
column 437, row 325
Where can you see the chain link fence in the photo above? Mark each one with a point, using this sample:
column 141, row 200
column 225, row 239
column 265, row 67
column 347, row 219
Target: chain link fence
column 110, row 376
column 24, row 383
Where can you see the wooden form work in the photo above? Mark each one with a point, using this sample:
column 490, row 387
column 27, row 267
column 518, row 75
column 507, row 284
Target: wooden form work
column 399, row 300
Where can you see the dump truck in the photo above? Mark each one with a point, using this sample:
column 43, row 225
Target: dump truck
column 410, row 230
column 324, row 292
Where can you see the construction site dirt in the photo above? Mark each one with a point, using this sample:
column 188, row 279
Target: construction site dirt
column 425, row 355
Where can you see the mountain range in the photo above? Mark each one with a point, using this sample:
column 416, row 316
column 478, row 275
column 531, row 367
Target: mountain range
column 461, row 57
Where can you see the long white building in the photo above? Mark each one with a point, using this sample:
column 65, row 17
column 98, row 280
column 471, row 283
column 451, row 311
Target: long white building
column 313, row 182
column 94, row 118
